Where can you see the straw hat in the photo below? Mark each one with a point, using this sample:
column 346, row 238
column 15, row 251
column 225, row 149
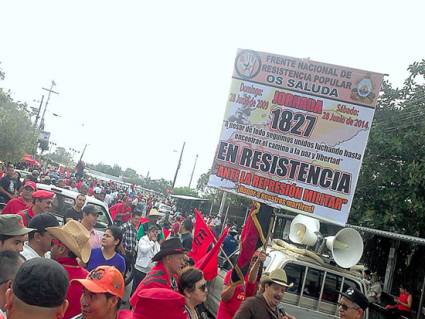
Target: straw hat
column 155, row 212
column 277, row 276
column 75, row 237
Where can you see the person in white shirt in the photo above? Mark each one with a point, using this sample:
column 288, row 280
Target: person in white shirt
column 148, row 247
column 108, row 198
column 39, row 240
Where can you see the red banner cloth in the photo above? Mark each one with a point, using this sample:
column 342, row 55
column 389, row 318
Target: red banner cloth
column 203, row 238
column 209, row 263
column 253, row 236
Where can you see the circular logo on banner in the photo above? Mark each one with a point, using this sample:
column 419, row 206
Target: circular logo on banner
column 248, row 64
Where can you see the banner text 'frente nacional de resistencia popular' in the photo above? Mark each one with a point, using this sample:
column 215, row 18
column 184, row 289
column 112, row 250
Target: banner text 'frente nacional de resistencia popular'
column 294, row 133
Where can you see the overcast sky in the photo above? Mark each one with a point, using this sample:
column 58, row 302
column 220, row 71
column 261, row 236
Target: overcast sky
column 144, row 76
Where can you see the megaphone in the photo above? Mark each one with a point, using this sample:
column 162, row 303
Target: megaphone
column 346, row 247
column 303, row 229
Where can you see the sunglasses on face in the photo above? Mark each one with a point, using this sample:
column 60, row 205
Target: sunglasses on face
column 346, row 307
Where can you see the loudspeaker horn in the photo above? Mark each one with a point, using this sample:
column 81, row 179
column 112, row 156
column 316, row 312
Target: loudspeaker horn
column 303, row 229
column 346, row 247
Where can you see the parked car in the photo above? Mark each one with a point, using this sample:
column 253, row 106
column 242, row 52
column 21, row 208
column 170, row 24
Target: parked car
column 65, row 199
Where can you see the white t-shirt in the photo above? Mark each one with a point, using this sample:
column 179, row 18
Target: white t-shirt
column 28, row 252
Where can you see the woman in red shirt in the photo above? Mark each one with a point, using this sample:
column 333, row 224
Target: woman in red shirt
column 403, row 306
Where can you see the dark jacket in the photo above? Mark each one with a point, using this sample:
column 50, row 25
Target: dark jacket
column 255, row 308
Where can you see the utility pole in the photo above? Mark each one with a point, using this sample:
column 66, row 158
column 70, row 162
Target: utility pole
column 193, row 170
column 82, row 153
column 47, row 103
column 39, row 110
column 178, row 165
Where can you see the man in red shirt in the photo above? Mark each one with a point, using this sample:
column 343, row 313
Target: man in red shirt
column 42, row 202
column 121, row 212
column 170, row 259
column 234, row 294
column 71, row 241
column 17, row 204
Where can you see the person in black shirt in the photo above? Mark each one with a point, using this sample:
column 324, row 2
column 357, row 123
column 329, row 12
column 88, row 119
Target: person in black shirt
column 9, row 185
column 186, row 234
column 75, row 212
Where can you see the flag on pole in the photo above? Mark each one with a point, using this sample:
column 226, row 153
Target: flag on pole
column 209, row 263
column 253, row 236
column 203, row 238
column 166, row 233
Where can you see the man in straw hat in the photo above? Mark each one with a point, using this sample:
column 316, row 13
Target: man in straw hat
column 170, row 259
column 103, row 290
column 38, row 291
column 153, row 216
column 70, row 242
column 266, row 306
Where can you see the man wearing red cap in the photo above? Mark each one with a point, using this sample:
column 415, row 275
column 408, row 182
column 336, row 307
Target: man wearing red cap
column 17, row 204
column 42, row 202
column 103, row 290
column 170, row 259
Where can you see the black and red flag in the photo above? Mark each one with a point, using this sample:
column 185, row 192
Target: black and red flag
column 254, row 235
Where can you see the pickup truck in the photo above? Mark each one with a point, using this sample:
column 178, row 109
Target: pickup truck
column 316, row 282
column 65, row 199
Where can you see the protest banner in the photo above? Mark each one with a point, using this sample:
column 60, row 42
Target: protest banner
column 294, row 133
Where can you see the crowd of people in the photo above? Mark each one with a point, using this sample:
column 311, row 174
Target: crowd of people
column 68, row 269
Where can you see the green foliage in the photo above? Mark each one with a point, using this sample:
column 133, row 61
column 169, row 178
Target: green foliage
column 159, row 185
column 61, row 156
column 185, row 191
column 390, row 193
column 115, row 170
column 17, row 136
column 130, row 173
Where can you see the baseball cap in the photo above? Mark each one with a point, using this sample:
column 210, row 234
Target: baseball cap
column 41, row 282
column 104, row 279
column 356, row 296
column 42, row 221
column 30, row 184
column 12, row 225
column 91, row 209
column 42, row 194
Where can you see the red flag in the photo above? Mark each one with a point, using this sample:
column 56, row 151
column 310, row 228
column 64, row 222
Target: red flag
column 144, row 220
column 203, row 237
column 209, row 263
column 166, row 233
column 253, row 236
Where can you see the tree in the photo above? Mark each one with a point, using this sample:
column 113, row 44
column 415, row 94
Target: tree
column 61, row 155
column 116, row 170
column 17, row 135
column 185, row 191
column 159, row 185
column 390, row 192
column 203, row 188
column 130, row 173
